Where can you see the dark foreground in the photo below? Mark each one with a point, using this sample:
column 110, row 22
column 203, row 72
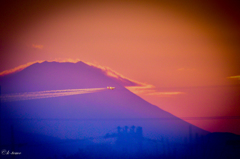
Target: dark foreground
column 124, row 143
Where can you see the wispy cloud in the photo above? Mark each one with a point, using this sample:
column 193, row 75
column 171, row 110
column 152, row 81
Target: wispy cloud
column 21, row 67
column 17, row 69
column 165, row 93
column 138, row 87
column 37, row 46
column 142, row 89
column 117, row 76
column 235, row 77
column 148, row 89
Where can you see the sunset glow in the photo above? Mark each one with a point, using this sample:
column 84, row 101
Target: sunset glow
column 182, row 58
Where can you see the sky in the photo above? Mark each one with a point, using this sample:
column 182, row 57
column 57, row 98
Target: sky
column 185, row 54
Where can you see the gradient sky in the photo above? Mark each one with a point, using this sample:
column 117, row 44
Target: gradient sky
column 188, row 52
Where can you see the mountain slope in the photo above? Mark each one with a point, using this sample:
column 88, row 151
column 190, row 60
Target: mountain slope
column 83, row 115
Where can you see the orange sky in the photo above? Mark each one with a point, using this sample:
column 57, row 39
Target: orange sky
column 178, row 48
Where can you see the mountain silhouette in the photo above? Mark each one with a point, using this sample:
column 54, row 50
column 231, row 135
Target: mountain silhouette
column 83, row 115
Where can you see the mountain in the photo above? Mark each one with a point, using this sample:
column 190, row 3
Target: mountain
column 83, row 115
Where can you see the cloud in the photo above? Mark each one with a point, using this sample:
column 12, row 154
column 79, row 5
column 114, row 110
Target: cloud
column 235, row 77
column 37, row 46
column 142, row 89
column 165, row 93
column 150, row 90
column 106, row 70
column 127, row 82
column 21, row 67
column 65, row 60
column 132, row 85
column 17, row 69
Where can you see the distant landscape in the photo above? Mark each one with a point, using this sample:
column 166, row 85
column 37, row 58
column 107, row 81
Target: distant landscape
column 92, row 120
column 119, row 79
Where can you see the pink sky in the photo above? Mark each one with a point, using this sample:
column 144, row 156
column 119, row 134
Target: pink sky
column 187, row 53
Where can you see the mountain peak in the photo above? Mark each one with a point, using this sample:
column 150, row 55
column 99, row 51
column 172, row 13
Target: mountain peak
column 54, row 75
column 117, row 104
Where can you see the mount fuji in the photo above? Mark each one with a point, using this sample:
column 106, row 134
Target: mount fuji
column 83, row 115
